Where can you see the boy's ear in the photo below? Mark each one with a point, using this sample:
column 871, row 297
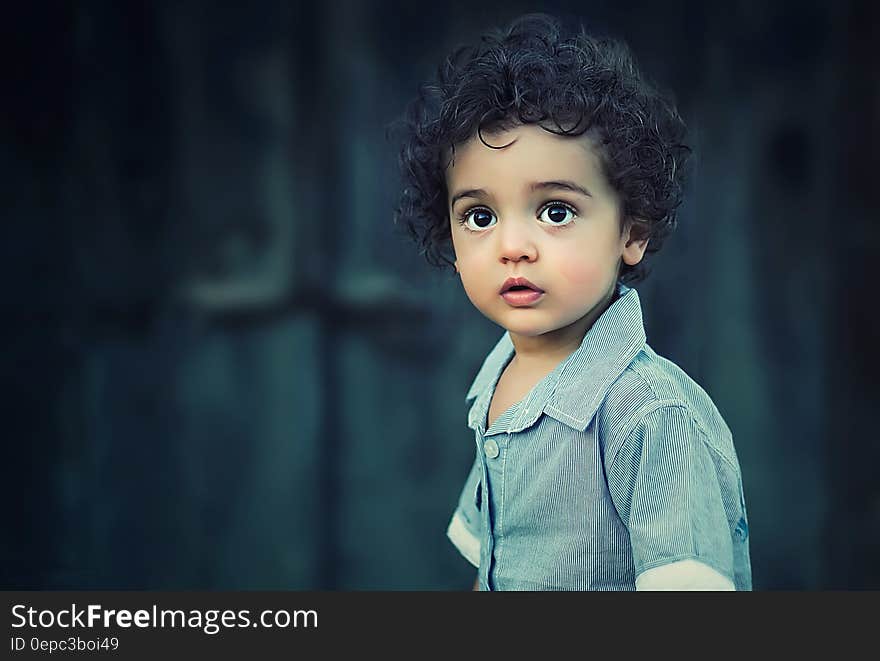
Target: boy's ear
column 635, row 246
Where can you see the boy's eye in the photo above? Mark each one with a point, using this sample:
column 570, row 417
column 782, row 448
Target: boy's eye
column 478, row 220
column 557, row 214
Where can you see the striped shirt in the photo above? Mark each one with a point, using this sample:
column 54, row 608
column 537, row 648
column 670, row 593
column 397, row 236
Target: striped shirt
column 615, row 464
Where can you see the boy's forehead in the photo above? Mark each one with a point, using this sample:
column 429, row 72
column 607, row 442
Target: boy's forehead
column 526, row 152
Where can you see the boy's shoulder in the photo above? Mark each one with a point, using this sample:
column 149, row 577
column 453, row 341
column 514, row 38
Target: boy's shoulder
column 652, row 383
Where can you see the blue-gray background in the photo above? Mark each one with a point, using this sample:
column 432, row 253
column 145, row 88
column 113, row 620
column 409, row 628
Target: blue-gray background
column 225, row 369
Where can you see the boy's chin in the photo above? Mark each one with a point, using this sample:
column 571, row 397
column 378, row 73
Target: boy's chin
column 525, row 322
column 525, row 329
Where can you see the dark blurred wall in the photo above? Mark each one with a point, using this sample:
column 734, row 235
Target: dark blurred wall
column 226, row 369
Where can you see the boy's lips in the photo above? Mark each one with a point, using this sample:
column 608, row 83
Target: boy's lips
column 520, row 292
column 519, row 282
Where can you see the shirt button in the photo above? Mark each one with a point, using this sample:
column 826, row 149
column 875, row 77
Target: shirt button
column 491, row 448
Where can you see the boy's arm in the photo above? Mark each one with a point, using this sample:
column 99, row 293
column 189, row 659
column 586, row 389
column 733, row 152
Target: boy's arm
column 477, row 584
column 667, row 488
column 683, row 575
column 465, row 526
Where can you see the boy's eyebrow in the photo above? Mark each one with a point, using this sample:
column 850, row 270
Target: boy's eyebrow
column 564, row 185
column 534, row 186
column 476, row 193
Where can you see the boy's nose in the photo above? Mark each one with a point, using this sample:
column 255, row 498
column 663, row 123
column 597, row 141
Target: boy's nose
column 516, row 244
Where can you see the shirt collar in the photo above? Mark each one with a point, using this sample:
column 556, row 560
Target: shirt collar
column 574, row 390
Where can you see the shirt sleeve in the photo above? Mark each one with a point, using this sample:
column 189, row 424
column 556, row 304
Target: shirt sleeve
column 683, row 575
column 664, row 482
column 465, row 526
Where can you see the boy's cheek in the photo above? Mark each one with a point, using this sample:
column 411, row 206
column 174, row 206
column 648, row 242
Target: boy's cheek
column 581, row 271
column 474, row 286
column 469, row 266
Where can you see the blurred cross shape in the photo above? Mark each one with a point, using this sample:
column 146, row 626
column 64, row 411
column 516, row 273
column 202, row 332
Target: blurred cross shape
column 381, row 306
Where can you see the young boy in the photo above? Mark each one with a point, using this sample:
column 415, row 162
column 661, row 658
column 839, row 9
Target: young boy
column 552, row 168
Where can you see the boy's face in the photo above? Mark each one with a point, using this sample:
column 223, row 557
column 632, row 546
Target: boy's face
column 507, row 221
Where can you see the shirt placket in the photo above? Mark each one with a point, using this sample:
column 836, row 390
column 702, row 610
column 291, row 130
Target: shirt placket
column 492, row 444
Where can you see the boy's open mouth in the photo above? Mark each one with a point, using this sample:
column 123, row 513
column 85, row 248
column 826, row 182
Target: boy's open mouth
column 519, row 292
column 519, row 284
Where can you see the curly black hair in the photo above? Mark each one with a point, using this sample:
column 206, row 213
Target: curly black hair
column 531, row 73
